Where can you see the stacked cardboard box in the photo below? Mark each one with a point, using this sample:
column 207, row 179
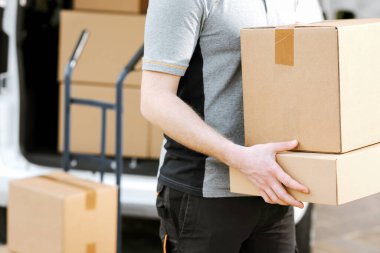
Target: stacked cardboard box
column 113, row 39
column 319, row 84
column 59, row 213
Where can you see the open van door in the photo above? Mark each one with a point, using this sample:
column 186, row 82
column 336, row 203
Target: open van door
column 3, row 75
column 3, row 48
column 10, row 151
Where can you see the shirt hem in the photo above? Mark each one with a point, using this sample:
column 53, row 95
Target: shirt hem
column 198, row 191
column 179, row 186
column 164, row 67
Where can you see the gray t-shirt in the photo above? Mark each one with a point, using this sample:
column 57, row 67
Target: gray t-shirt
column 199, row 40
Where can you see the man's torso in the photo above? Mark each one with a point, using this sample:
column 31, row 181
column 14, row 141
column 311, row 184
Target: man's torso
column 212, row 86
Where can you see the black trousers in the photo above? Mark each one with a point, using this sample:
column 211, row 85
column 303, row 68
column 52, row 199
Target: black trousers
column 191, row 224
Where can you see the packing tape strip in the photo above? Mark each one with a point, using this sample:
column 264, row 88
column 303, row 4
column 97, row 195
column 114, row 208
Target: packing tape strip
column 91, row 248
column 90, row 193
column 284, row 46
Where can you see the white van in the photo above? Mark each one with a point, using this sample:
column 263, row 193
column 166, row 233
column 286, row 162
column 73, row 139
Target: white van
column 29, row 111
column 351, row 8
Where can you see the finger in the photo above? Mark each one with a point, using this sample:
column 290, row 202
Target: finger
column 288, row 181
column 285, row 196
column 284, row 146
column 266, row 197
column 274, row 198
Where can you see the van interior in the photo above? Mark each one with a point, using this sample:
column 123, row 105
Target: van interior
column 3, row 48
column 38, row 24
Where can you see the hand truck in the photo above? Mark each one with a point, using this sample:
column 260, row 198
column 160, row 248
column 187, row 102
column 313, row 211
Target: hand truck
column 101, row 159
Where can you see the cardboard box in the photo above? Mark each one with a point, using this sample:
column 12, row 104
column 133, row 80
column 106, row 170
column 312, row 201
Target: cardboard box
column 112, row 42
column 59, row 213
column 127, row 6
column 333, row 179
column 316, row 83
column 156, row 140
column 86, row 121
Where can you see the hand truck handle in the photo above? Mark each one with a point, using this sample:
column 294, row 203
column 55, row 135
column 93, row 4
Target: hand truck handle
column 76, row 54
column 79, row 47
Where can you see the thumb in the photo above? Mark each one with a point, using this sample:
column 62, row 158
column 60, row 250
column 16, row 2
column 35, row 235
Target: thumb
column 284, row 146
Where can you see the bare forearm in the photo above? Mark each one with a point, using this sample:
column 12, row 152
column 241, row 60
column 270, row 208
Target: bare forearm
column 181, row 123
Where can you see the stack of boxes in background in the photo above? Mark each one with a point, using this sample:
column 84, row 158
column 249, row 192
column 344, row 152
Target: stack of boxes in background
column 317, row 84
column 116, row 33
column 60, row 213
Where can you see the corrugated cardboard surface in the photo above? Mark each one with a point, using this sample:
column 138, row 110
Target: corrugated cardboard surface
column 359, row 68
column 112, row 42
column 128, row 6
column 86, row 122
column 358, row 174
column 327, row 100
column 300, row 102
column 332, row 179
column 50, row 215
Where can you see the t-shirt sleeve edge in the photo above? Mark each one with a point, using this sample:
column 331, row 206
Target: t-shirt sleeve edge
column 165, row 67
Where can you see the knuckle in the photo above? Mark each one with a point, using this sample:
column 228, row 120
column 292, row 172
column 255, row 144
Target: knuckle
column 288, row 181
column 284, row 197
column 281, row 174
column 270, row 167
column 285, row 179
column 268, row 182
column 260, row 182
column 282, row 194
column 274, row 172
column 276, row 199
column 271, row 171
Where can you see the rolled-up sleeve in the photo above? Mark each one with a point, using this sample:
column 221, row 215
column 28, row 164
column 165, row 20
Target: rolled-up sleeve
column 171, row 34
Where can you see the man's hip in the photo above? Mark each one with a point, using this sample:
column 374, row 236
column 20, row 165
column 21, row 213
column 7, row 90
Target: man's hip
column 192, row 224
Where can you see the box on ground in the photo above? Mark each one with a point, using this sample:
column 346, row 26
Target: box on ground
column 127, row 6
column 317, row 83
column 59, row 213
column 333, row 179
column 140, row 139
column 113, row 40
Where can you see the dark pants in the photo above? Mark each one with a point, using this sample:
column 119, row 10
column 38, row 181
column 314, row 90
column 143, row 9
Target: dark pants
column 191, row 224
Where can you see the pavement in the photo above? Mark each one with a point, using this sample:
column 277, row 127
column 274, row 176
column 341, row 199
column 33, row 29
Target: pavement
column 351, row 228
